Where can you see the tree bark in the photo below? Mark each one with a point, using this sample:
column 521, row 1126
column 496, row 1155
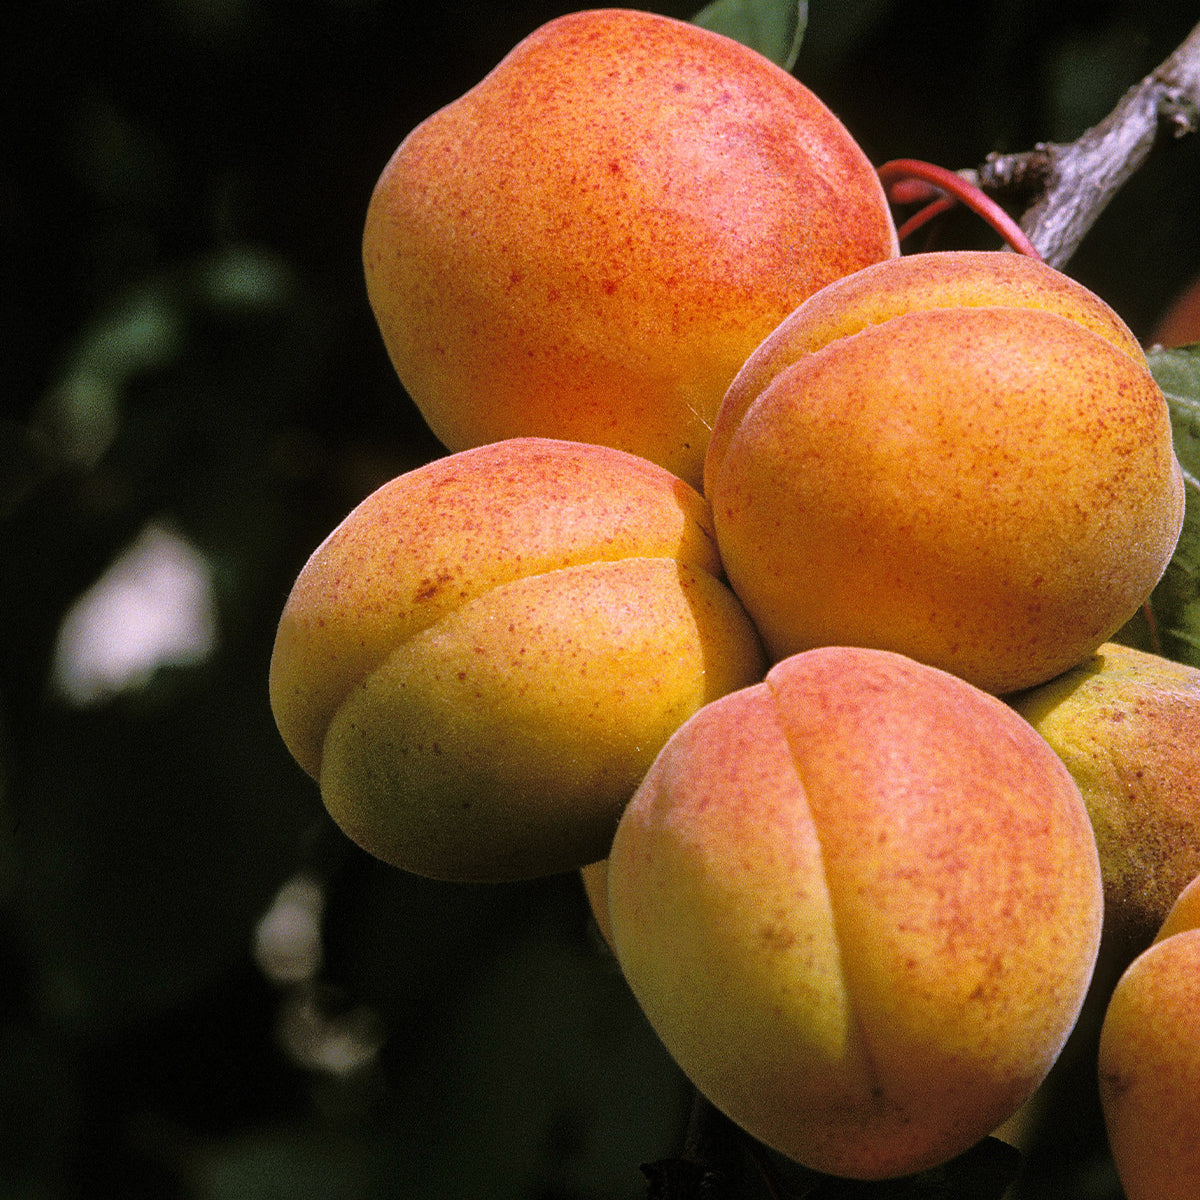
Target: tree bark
column 1066, row 186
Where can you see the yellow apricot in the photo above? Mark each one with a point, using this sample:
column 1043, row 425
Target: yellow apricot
column 480, row 662
column 860, row 903
column 1127, row 725
column 990, row 488
column 1149, row 1062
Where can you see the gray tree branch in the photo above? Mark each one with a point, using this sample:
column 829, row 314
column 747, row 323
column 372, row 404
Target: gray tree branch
column 1072, row 183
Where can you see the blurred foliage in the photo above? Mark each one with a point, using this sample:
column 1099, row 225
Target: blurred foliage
column 188, row 348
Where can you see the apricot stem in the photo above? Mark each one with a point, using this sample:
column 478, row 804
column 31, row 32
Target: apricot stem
column 1152, row 624
column 709, row 1165
column 713, row 1140
column 910, row 180
column 922, row 217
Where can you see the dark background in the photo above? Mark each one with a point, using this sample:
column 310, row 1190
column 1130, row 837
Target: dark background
column 187, row 345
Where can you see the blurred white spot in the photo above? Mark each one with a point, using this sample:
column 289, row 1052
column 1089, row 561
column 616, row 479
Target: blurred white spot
column 287, row 940
column 82, row 411
column 153, row 607
column 321, row 1040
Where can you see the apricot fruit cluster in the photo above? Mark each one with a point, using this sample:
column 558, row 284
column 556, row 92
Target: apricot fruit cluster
column 747, row 531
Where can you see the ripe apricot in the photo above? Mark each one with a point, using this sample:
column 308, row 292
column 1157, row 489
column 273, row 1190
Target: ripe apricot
column 1179, row 325
column 1127, row 724
column 860, row 902
column 1149, row 1062
column 481, row 661
column 961, row 457
column 590, row 241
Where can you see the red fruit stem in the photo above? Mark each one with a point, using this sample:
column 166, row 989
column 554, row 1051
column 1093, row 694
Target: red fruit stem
column 933, row 209
column 1152, row 623
column 909, row 181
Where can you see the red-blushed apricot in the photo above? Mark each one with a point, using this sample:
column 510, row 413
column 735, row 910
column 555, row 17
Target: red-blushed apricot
column 1184, row 914
column 1127, row 725
column 589, row 242
column 1149, row 1062
column 1179, row 325
column 916, row 283
column 480, row 662
column 860, row 902
column 989, row 488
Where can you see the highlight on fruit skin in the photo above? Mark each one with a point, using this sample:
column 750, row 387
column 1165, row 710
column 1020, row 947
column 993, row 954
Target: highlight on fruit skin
column 1149, row 1062
column 1126, row 723
column 959, row 456
column 589, row 242
column 480, row 662
column 860, row 903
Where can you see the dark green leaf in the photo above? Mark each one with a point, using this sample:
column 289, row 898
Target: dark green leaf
column 1175, row 602
column 774, row 28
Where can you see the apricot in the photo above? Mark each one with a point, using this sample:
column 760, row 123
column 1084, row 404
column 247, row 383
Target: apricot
column 1127, row 725
column 860, row 902
column 1149, row 1062
column 589, row 242
column 481, row 661
column 1179, row 325
column 594, row 877
column 959, row 456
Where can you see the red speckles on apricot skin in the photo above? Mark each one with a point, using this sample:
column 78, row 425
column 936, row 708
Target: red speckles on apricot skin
column 616, row 355
column 918, row 980
column 434, row 540
column 428, row 588
column 878, row 446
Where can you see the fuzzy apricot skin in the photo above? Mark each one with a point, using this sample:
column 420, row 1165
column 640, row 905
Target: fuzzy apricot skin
column 1149, row 1062
column 480, row 662
column 860, row 903
column 1127, row 725
column 961, row 457
column 589, row 242
column 1180, row 324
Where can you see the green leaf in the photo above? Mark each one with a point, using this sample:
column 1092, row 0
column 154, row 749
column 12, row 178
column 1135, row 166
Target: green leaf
column 1175, row 602
column 774, row 28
